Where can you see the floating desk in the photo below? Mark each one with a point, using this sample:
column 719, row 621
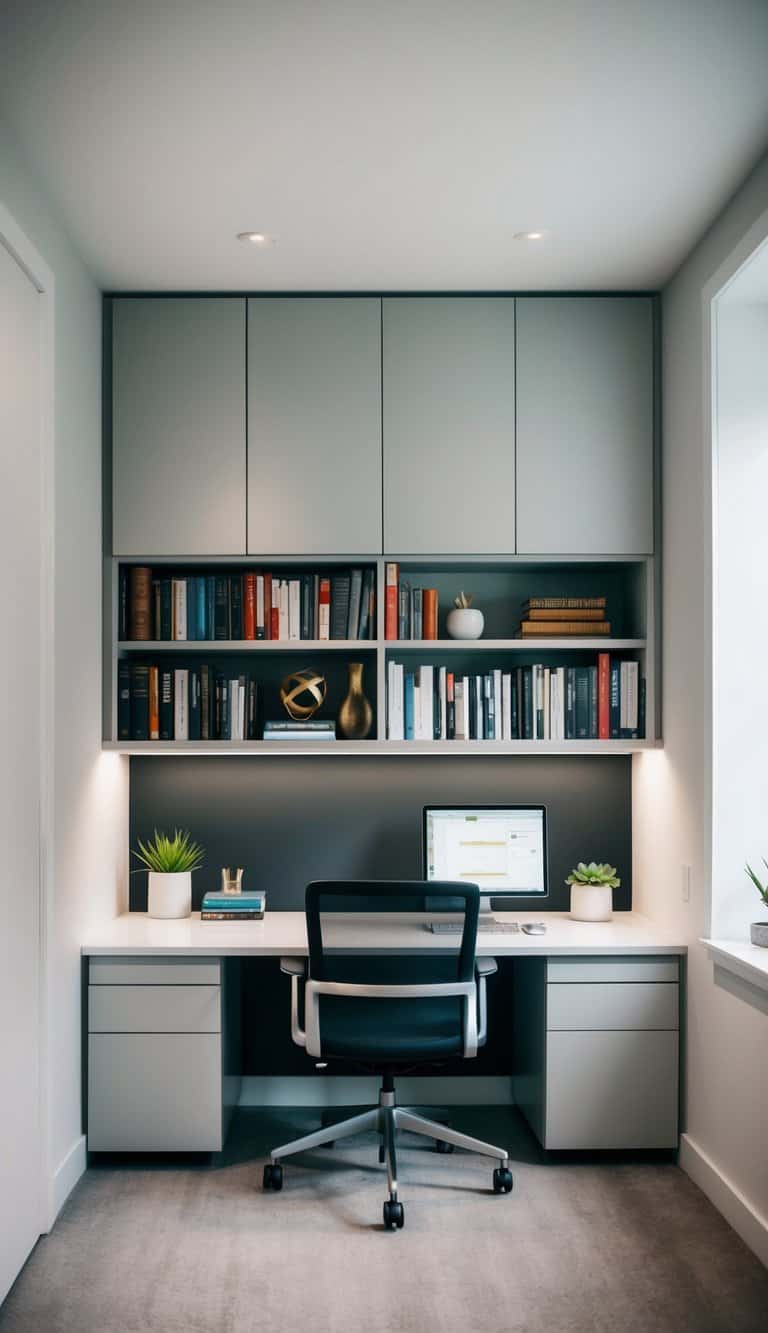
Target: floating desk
column 594, row 1035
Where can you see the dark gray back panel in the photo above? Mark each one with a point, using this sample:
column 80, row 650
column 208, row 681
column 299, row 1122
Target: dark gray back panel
column 288, row 820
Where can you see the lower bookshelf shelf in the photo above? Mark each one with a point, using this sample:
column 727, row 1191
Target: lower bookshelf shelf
column 382, row 747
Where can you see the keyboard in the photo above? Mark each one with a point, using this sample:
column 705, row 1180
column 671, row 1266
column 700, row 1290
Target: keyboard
column 483, row 927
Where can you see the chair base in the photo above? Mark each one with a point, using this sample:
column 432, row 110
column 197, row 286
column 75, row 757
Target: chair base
column 386, row 1120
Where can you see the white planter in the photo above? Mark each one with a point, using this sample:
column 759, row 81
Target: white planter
column 591, row 902
column 464, row 622
column 170, row 895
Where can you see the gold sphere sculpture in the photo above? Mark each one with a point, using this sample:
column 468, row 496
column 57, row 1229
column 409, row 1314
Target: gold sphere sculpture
column 302, row 693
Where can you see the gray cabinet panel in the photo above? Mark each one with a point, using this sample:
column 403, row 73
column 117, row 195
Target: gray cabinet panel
column 125, row 971
column 449, row 425
column 584, row 425
column 154, row 1008
column 613, row 969
column 179, row 464
column 611, row 1090
column 606, row 1005
column 314, row 425
column 154, row 1092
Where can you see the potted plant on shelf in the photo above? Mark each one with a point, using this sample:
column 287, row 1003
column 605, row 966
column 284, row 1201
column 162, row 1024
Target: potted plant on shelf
column 464, row 621
column 592, row 891
column 170, row 862
column 758, row 931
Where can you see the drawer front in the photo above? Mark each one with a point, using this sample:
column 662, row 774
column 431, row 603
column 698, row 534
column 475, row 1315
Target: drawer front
column 611, row 1090
column 154, row 1092
column 154, row 972
column 613, row 969
column 609, row 1006
column 154, row 1009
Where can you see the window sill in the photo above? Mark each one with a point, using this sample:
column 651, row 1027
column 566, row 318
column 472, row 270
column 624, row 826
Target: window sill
column 746, row 961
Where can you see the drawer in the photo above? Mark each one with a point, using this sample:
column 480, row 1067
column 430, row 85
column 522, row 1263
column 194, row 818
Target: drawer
column 657, row 968
column 611, row 1006
column 611, row 1090
column 154, row 1009
column 154, row 1092
column 154, row 972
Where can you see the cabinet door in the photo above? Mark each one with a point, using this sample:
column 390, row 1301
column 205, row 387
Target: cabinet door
column 178, row 393
column 449, row 425
column 154, row 1092
column 584, row 425
column 611, row 1090
column 314, row 425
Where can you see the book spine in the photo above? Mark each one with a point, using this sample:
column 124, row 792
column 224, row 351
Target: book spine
column 122, row 603
column 429, row 611
column 581, row 703
column 527, row 673
column 324, row 609
column 506, row 706
column 210, row 606
column 290, row 608
column 268, row 604
column 340, row 588
column 406, row 621
column 181, row 704
column 450, row 706
column 205, row 703
column 306, row 606
column 139, row 702
column 236, row 606
column 179, row 593
column 155, row 608
column 249, row 606
column 603, row 696
column 570, row 703
column 592, row 703
column 202, row 608
column 615, row 701
column 154, row 704
column 260, row 624
column 140, row 603
column 364, row 626
column 123, row 701
column 252, row 726
column 355, row 594
column 564, row 603
column 191, row 588
column 641, row 710
column 221, row 609
column 274, row 626
column 459, row 732
column 586, row 629
column 390, row 600
column 195, row 718
column 409, row 704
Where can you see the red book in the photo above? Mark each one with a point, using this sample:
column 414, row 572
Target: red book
column 274, row 623
column 249, row 606
column 324, row 610
column 603, row 696
column 429, row 613
column 390, row 601
column 268, row 607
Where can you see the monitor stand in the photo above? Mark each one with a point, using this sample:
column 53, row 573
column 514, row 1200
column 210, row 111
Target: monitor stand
column 485, row 905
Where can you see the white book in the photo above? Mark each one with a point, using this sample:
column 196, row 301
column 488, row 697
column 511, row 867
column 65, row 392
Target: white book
column 497, row 704
column 427, row 703
column 399, row 702
column 443, row 703
column 416, row 706
column 479, row 706
column 283, row 609
column 392, row 710
column 294, row 609
column 179, row 587
column 234, row 709
column 241, row 693
column 324, row 621
column 506, row 706
column 181, row 704
column 260, row 607
column 465, row 705
column 458, row 700
column 554, row 704
column 547, row 696
column 561, row 704
column 275, row 604
column 633, row 695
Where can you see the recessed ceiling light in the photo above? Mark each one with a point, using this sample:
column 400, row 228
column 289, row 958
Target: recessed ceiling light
column 256, row 238
column 529, row 236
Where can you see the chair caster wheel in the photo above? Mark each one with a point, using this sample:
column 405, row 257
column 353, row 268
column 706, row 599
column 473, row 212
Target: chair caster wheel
column 502, row 1180
column 394, row 1215
column 382, row 1152
column 442, row 1146
column 273, row 1176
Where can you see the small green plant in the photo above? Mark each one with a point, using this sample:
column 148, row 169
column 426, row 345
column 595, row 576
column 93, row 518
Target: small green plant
column 594, row 874
column 463, row 601
column 170, row 856
column 761, row 888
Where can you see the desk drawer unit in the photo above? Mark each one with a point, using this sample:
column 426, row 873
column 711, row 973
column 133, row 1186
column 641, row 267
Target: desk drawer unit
column 600, row 1070
column 156, row 1055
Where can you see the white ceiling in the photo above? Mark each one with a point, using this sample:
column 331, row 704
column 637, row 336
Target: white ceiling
column 387, row 145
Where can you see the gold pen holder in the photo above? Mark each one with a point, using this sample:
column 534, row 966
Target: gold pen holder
column 231, row 880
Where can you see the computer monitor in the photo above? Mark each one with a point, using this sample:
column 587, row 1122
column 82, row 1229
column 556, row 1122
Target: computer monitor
column 502, row 848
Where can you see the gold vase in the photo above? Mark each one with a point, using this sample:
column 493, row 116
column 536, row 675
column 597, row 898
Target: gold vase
column 355, row 714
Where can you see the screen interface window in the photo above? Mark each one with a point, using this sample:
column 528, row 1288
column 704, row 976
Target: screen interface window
column 499, row 850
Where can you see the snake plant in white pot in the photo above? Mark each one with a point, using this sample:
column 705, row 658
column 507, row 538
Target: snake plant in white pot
column 170, row 862
column 592, row 891
column 758, row 931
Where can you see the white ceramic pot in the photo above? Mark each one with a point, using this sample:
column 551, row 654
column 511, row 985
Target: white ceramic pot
column 170, row 895
column 758, row 933
column 464, row 622
column 591, row 902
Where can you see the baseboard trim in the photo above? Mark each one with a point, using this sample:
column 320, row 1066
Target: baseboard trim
column 65, row 1177
column 737, row 1210
column 348, row 1090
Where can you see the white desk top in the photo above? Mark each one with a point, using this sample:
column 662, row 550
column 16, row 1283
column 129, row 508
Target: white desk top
column 135, row 934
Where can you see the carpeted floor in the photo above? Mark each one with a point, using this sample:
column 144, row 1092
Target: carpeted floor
column 578, row 1247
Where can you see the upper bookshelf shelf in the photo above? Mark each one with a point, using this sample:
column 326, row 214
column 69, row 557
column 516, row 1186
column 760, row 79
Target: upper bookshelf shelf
column 593, row 643
column 204, row 646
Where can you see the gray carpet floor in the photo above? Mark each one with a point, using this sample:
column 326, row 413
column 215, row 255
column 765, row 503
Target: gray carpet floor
column 194, row 1246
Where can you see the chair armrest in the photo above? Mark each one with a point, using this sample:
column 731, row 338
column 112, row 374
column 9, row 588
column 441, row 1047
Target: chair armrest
column 485, row 967
column 296, row 969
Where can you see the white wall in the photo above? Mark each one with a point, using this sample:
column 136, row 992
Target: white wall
column 89, row 790
column 726, row 1081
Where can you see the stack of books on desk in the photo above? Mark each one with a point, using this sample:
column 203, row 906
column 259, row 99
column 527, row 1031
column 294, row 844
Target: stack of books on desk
column 560, row 617
column 248, row 905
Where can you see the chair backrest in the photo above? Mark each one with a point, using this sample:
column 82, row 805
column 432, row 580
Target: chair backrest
column 369, row 898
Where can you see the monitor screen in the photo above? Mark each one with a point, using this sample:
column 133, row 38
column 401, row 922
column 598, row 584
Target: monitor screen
column 502, row 849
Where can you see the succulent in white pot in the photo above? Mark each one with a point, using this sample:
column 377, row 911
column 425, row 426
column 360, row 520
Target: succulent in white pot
column 592, row 891
column 758, row 931
column 464, row 621
column 170, row 862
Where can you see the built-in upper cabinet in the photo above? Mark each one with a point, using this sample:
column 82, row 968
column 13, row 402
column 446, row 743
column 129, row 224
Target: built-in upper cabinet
column 584, row 425
column 314, row 425
column 449, row 425
column 178, row 393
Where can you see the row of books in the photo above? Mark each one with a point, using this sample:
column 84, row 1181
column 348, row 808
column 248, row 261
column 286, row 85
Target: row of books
column 600, row 702
column 546, row 617
column 253, row 605
column 179, row 703
column 248, row 905
column 409, row 612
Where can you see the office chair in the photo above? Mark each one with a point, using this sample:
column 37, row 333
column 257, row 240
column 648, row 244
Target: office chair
column 390, row 1012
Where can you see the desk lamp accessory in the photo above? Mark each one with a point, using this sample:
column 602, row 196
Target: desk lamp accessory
column 170, row 862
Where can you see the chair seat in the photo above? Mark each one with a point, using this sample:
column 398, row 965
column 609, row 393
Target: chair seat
column 391, row 1031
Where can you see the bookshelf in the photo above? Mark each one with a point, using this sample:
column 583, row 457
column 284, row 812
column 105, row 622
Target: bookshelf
column 499, row 586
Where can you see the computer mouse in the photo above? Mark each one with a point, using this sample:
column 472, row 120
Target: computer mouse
column 534, row 928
